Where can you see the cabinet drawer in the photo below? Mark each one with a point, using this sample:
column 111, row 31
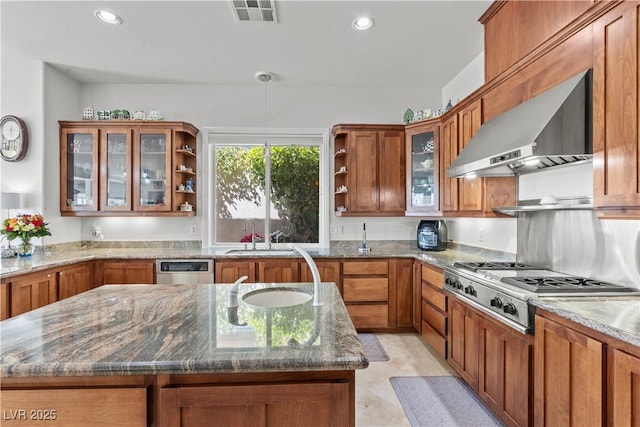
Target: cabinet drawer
column 369, row 315
column 361, row 289
column 76, row 407
column 435, row 297
column 438, row 342
column 434, row 318
column 365, row 268
column 436, row 278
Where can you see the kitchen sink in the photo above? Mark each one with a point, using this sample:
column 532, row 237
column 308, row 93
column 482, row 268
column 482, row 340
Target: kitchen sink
column 277, row 297
column 259, row 252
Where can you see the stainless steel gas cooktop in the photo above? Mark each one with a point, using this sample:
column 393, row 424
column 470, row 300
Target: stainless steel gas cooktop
column 502, row 288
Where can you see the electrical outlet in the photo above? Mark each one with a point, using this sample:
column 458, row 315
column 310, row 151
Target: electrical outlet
column 193, row 229
column 337, row 230
column 96, row 232
column 480, row 234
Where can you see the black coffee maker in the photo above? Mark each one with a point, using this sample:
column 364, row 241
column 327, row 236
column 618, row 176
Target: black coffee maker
column 432, row 235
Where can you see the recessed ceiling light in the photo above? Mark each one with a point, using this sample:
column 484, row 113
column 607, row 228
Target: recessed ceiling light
column 108, row 17
column 363, row 23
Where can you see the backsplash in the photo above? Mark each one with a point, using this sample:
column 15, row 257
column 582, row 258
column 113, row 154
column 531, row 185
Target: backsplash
column 122, row 244
column 577, row 242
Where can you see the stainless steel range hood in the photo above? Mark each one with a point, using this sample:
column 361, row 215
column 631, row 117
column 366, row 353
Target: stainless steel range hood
column 551, row 129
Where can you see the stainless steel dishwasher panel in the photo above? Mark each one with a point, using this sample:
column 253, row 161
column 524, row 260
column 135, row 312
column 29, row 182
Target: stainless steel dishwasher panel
column 184, row 271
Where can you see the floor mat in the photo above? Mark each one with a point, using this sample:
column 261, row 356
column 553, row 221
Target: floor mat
column 441, row 401
column 372, row 347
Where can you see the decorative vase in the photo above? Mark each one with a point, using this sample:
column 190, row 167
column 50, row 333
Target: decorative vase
column 25, row 248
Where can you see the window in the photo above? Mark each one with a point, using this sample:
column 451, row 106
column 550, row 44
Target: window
column 271, row 186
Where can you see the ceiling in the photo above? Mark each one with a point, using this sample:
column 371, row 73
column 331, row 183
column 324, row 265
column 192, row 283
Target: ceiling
column 412, row 44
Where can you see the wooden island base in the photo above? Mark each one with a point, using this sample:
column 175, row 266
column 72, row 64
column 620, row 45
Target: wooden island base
column 317, row 398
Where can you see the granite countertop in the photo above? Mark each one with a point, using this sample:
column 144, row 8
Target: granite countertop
column 618, row 317
column 380, row 249
column 178, row 329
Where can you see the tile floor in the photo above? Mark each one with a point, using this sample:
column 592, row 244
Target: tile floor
column 409, row 355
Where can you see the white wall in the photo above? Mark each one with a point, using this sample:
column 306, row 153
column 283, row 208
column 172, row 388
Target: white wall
column 22, row 88
column 61, row 99
column 465, row 82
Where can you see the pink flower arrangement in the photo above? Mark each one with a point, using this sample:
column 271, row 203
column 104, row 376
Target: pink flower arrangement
column 247, row 238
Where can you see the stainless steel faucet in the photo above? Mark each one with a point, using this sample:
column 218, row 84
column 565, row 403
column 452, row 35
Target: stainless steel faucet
column 253, row 232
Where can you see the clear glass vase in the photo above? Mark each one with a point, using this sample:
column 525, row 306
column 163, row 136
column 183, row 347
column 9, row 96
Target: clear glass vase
column 25, row 248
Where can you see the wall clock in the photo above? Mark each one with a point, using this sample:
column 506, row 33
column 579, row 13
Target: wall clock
column 15, row 139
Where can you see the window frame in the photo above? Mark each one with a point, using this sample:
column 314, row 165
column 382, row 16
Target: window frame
column 207, row 201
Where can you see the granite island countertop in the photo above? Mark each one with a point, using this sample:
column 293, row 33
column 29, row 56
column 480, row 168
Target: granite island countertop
column 617, row 317
column 178, row 329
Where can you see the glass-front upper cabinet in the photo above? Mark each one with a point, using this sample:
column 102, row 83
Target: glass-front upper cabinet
column 152, row 170
column 422, row 168
column 79, row 163
column 115, row 175
column 127, row 168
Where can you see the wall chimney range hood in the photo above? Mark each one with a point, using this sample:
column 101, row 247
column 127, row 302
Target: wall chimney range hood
column 551, row 129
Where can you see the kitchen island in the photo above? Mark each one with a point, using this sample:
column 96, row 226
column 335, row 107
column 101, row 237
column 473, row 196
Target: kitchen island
column 169, row 355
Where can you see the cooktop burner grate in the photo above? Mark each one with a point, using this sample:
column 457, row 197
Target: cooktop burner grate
column 564, row 284
column 475, row 266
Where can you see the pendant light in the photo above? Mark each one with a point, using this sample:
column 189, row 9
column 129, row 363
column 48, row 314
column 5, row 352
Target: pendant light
column 266, row 77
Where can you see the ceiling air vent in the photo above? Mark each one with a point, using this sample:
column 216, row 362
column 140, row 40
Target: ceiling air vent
column 254, row 10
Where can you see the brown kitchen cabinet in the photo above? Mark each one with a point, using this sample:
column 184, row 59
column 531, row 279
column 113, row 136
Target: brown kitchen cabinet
column 264, row 270
column 448, row 153
column 616, row 113
column 469, row 197
column 329, row 270
column 75, row 279
column 623, row 374
column 417, row 296
column 378, row 292
column 423, row 168
column 124, row 167
column 230, row 270
column 433, row 306
column 583, row 376
column 401, row 283
column 505, row 376
column 365, row 290
column 508, row 38
column 369, row 170
column 26, row 292
column 5, row 299
column 125, row 272
column 184, row 170
column 493, row 359
column 79, row 169
column 33, row 290
column 463, row 341
column 310, row 404
column 77, row 407
column 278, row 270
column 569, row 376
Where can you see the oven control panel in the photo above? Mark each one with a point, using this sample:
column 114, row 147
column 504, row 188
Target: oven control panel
column 489, row 297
